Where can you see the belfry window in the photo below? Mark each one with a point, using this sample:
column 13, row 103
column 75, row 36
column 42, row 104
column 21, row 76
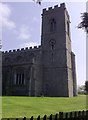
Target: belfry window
column 52, row 25
column 19, row 78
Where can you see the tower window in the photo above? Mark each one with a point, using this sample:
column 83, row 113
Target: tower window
column 52, row 25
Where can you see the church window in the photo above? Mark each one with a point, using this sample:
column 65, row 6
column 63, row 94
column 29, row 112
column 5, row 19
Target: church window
column 23, row 81
column 14, row 78
column 19, row 79
column 52, row 25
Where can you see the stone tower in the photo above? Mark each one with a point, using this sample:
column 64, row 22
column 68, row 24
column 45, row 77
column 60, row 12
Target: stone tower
column 57, row 54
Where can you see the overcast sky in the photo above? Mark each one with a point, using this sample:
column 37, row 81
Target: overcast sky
column 22, row 28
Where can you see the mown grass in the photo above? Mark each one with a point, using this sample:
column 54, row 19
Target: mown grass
column 16, row 107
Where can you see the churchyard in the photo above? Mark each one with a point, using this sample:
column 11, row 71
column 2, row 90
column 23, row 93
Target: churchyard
column 19, row 107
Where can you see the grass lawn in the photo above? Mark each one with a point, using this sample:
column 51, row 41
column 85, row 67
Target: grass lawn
column 14, row 107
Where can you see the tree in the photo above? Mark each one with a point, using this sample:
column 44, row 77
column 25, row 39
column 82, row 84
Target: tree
column 38, row 1
column 86, row 86
column 84, row 23
column 81, row 89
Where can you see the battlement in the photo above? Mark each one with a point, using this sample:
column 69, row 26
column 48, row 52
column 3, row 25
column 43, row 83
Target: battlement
column 22, row 49
column 56, row 7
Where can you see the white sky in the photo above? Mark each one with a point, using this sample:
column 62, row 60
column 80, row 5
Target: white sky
column 22, row 28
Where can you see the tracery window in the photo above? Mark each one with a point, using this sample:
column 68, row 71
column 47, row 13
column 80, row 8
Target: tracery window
column 52, row 25
column 19, row 78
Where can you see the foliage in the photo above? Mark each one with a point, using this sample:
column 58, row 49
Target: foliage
column 38, row 1
column 33, row 106
column 81, row 89
column 84, row 23
column 86, row 86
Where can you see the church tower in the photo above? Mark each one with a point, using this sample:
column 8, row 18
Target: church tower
column 56, row 52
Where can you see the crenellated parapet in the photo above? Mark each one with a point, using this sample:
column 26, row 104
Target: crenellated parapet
column 56, row 7
column 23, row 49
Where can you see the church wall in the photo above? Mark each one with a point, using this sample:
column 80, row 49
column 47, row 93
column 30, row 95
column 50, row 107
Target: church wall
column 37, row 66
column 55, row 84
column 38, row 81
column 22, row 60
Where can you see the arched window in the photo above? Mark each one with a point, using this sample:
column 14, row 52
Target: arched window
column 19, row 77
column 52, row 25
